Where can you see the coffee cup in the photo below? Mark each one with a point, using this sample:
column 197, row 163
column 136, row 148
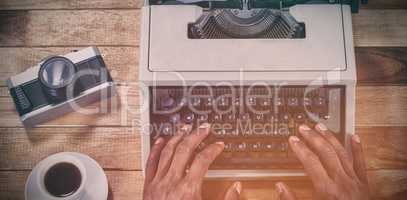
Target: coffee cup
column 67, row 176
column 63, row 178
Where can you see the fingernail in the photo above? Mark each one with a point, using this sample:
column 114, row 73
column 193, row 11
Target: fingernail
column 321, row 127
column 158, row 141
column 238, row 187
column 220, row 143
column 304, row 128
column 356, row 138
column 294, row 139
column 280, row 188
column 204, row 126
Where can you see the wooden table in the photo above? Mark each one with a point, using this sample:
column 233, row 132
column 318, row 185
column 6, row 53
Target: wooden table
column 33, row 29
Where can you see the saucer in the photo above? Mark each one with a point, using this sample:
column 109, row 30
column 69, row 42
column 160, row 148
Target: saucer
column 96, row 185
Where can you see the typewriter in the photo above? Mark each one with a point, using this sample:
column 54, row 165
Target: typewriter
column 254, row 69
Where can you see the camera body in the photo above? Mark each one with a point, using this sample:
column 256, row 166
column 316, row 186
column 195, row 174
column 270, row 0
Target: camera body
column 59, row 84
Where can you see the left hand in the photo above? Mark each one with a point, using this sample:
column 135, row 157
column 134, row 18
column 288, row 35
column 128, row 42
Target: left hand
column 166, row 176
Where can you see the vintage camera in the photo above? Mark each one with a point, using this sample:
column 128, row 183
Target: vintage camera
column 59, row 83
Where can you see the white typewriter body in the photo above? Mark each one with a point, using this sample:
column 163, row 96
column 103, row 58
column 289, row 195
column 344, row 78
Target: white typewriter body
column 324, row 57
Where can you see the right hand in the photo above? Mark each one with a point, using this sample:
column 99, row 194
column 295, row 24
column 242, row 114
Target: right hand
column 334, row 173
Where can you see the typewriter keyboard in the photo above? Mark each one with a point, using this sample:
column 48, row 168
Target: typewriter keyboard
column 253, row 122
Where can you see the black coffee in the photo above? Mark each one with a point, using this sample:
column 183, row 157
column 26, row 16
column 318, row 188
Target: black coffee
column 62, row 179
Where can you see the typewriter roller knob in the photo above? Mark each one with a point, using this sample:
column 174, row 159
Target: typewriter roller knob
column 55, row 75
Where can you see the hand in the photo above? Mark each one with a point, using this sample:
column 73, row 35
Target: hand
column 167, row 176
column 334, row 173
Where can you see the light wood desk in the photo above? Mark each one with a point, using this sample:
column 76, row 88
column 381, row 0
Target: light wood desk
column 33, row 29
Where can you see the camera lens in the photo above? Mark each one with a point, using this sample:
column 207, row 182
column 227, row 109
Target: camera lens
column 56, row 74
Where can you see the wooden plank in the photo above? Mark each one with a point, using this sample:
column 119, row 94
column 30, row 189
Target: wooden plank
column 384, row 184
column 381, row 65
column 375, row 65
column 384, row 147
column 21, row 149
column 122, row 62
column 385, row 4
column 122, row 184
column 121, row 27
column 380, row 28
column 121, row 110
column 68, row 4
column 388, row 184
column 381, row 106
column 69, row 28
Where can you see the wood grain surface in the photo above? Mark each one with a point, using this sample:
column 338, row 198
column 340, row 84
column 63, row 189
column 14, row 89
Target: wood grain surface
column 69, row 4
column 121, row 27
column 375, row 65
column 381, row 65
column 21, row 149
column 69, row 28
column 380, row 28
column 385, row 4
column 32, row 30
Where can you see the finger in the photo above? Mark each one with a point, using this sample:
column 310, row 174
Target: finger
column 284, row 192
column 203, row 160
column 168, row 151
column 326, row 153
column 152, row 161
column 359, row 159
column 312, row 165
column 344, row 156
column 233, row 192
column 185, row 149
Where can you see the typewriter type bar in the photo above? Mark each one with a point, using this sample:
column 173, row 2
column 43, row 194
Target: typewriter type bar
column 254, row 23
column 253, row 122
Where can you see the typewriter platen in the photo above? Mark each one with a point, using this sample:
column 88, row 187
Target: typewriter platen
column 255, row 70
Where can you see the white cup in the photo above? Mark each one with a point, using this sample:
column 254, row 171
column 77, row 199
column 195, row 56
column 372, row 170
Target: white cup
column 53, row 161
column 93, row 182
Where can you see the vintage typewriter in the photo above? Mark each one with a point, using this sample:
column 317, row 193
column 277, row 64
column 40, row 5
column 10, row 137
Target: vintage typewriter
column 254, row 69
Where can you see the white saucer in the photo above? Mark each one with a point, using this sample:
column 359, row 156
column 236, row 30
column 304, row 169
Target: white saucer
column 96, row 185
